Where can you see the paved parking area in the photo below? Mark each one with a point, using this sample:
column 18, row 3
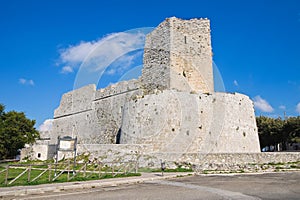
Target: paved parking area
column 242, row 186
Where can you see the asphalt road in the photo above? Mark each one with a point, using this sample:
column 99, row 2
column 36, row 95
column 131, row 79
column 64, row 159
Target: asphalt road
column 254, row 186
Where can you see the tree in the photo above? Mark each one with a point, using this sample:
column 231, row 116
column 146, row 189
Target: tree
column 292, row 129
column 1, row 109
column 277, row 131
column 269, row 131
column 15, row 131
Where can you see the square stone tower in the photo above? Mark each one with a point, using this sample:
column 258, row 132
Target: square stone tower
column 178, row 55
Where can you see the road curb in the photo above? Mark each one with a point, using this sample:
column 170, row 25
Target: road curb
column 59, row 187
column 246, row 173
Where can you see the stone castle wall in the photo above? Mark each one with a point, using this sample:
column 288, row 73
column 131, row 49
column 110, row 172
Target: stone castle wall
column 191, row 55
column 172, row 108
column 170, row 120
column 93, row 116
column 145, row 157
column 156, row 69
column 175, row 121
column 178, row 55
column 75, row 113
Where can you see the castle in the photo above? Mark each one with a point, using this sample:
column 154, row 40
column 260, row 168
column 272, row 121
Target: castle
column 171, row 109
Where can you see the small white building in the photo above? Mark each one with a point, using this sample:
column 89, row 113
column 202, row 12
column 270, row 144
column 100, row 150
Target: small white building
column 40, row 150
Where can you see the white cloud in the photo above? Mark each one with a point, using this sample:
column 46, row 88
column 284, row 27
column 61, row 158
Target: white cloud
column 77, row 53
column 120, row 65
column 282, row 107
column 235, row 83
column 97, row 55
column 30, row 82
column 46, row 125
column 262, row 104
column 66, row 70
column 111, row 72
column 24, row 81
column 298, row 108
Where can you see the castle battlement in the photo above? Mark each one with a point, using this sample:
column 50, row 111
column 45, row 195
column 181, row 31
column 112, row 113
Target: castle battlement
column 171, row 108
column 178, row 55
column 118, row 88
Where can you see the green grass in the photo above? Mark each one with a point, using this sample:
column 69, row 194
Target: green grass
column 222, row 171
column 278, row 167
column 23, row 180
column 272, row 163
column 296, row 162
column 166, row 170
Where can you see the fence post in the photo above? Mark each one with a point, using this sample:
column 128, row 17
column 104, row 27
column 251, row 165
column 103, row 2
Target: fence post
column 99, row 165
column 136, row 166
column 6, row 174
column 113, row 169
column 29, row 173
column 68, row 170
column 84, row 172
column 49, row 167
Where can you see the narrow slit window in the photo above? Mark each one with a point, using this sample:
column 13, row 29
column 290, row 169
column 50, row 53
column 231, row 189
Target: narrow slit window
column 184, row 39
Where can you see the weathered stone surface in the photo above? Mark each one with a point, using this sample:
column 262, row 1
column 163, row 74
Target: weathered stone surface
column 175, row 121
column 144, row 155
column 76, row 101
column 40, row 150
column 171, row 110
column 178, row 55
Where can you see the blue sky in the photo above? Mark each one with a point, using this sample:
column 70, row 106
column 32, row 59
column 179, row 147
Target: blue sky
column 255, row 45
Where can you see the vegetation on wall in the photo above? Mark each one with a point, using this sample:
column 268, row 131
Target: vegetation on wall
column 16, row 130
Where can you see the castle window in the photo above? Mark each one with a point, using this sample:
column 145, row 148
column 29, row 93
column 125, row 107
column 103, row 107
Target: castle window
column 184, row 39
column 39, row 155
